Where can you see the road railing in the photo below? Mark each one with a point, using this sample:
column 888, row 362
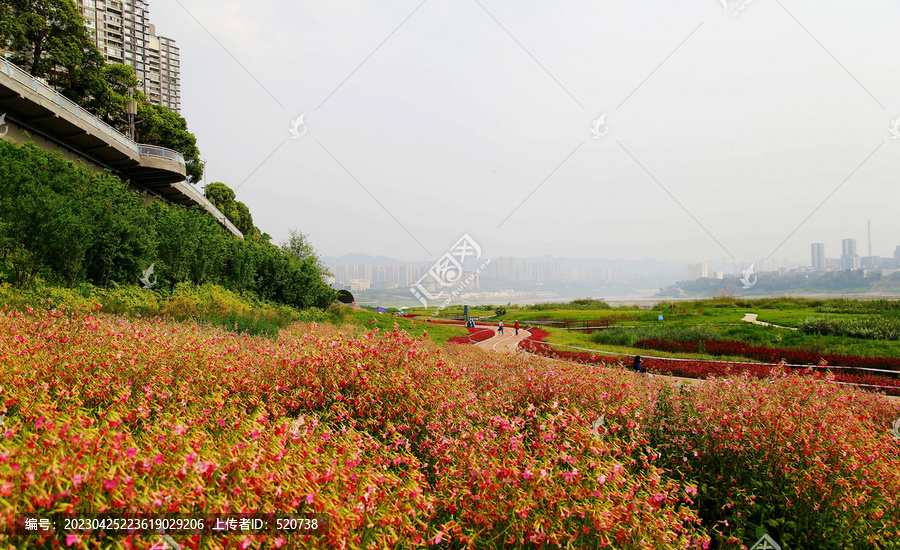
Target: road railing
column 41, row 88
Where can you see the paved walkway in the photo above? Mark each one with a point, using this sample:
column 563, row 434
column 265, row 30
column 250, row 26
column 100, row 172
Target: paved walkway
column 508, row 342
column 751, row 318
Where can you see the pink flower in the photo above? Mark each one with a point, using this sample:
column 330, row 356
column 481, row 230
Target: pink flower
column 72, row 539
column 130, row 452
column 111, row 484
column 310, row 499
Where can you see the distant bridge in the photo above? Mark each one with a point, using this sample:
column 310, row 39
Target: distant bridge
column 36, row 112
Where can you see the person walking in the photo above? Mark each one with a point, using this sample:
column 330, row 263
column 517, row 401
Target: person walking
column 517, row 328
column 637, row 364
column 500, row 328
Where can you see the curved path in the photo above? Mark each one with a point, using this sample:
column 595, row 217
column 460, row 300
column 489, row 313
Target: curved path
column 508, row 342
column 751, row 318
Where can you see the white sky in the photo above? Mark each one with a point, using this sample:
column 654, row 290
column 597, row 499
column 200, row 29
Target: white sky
column 448, row 114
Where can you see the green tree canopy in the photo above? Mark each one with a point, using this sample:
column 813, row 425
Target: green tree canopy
column 297, row 246
column 49, row 40
column 63, row 223
column 157, row 125
column 110, row 104
column 237, row 212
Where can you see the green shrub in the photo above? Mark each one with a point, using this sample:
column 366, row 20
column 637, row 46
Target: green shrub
column 67, row 226
column 871, row 328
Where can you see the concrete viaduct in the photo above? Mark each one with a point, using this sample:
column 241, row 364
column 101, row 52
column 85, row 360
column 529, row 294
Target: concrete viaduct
column 36, row 112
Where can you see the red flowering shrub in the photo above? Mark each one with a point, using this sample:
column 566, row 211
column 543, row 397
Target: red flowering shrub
column 704, row 369
column 476, row 335
column 734, row 348
column 668, row 345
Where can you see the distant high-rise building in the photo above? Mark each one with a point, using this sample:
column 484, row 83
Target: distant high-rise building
column 849, row 257
column 897, row 253
column 818, row 256
column 870, row 243
column 697, row 271
column 164, row 81
column 124, row 35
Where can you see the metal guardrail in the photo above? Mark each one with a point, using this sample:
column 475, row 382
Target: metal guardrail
column 160, row 152
column 46, row 91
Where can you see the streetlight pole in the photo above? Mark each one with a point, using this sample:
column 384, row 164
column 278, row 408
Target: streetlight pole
column 131, row 109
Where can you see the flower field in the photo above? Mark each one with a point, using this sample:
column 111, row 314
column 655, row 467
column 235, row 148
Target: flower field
column 398, row 443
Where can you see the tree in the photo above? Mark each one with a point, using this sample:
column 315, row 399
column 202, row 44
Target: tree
column 298, row 246
column 120, row 85
column 49, row 40
column 157, row 125
column 237, row 212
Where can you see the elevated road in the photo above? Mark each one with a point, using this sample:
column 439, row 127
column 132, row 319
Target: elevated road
column 36, row 112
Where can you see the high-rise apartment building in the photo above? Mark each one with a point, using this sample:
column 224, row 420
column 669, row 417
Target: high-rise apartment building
column 123, row 34
column 818, row 256
column 164, row 86
column 697, row 271
column 849, row 257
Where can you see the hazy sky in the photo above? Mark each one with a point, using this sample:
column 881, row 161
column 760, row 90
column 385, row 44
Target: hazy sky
column 725, row 135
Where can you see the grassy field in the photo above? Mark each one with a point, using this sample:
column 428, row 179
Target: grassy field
column 721, row 319
column 581, row 340
column 415, row 326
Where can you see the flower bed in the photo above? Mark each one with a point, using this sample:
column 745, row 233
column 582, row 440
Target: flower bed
column 736, row 348
column 705, row 369
column 401, row 444
column 476, row 335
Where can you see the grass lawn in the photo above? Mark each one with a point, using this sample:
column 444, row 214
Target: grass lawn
column 384, row 321
column 582, row 340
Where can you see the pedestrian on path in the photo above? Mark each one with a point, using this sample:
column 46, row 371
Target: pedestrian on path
column 517, row 328
column 500, row 328
column 637, row 364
